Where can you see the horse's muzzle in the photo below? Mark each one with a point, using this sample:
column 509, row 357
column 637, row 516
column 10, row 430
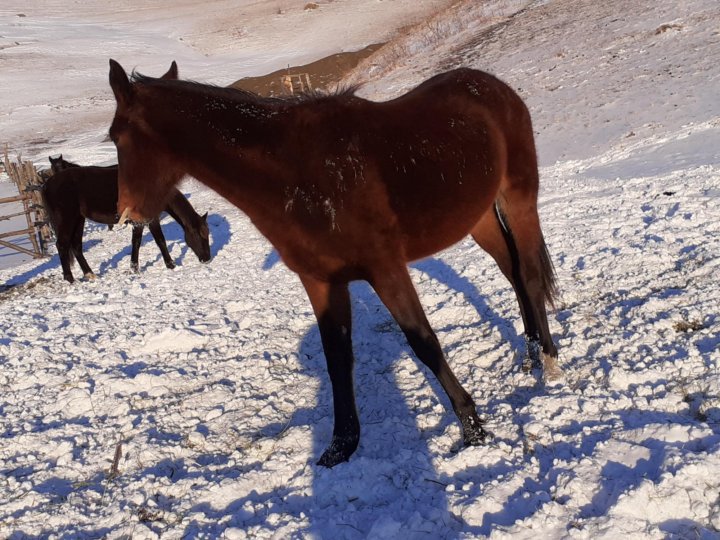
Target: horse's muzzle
column 124, row 218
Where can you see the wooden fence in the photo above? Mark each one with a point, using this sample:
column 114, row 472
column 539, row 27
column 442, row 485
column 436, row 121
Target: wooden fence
column 28, row 183
column 298, row 83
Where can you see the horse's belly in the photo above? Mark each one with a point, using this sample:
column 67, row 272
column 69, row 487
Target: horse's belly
column 106, row 217
column 437, row 222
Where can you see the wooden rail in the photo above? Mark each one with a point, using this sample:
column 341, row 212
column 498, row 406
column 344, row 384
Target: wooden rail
column 16, row 198
column 296, row 84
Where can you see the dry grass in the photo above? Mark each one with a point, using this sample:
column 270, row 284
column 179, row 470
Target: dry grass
column 665, row 27
column 688, row 326
column 421, row 38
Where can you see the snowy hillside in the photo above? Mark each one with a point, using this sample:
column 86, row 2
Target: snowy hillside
column 208, row 385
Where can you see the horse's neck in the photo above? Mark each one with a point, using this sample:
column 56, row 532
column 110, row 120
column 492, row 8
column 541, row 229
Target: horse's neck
column 181, row 210
column 226, row 143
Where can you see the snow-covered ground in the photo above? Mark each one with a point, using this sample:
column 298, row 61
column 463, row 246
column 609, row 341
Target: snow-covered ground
column 210, row 379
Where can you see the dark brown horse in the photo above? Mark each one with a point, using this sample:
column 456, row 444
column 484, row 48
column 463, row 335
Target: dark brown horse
column 348, row 189
column 59, row 163
column 74, row 193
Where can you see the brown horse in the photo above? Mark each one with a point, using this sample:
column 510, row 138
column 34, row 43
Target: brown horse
column 348, row 189
column 75, row 193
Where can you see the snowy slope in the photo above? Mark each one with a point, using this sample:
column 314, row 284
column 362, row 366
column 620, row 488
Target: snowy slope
column 212, row 376
column 54, row 90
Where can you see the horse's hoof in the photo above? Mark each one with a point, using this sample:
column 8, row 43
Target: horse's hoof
column 69, row 279
column 552, row 372
column 473, row 432
column 339, row 451
column 134, row 268
column 476, row 437
column 90, row 276
column 170, row 265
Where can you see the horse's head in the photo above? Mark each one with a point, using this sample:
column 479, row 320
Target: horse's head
column 146, row 173
column 198, row 238
column 59, row 164
column 56, row 163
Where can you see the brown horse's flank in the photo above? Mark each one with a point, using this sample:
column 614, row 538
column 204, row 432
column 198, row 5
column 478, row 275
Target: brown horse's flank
column 348, row 189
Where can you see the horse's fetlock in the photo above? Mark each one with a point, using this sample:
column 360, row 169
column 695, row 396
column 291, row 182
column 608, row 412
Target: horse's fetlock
column 532, row 360
column 473, row 432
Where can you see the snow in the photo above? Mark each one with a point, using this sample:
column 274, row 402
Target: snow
column 211, row 377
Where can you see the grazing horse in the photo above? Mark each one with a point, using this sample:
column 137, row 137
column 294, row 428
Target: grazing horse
column 58, row 164
column 348, row 189
column 74, row 193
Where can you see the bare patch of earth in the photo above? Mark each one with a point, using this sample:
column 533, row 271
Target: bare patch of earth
column 324, row 74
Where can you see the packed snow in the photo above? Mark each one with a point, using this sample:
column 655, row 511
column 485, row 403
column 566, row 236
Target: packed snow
column 194, row 403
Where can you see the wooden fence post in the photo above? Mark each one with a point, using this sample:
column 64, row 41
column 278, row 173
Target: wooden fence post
column 297, row 83
column 28, row 184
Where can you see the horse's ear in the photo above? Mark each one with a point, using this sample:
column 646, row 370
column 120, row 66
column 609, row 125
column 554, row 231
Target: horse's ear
column 172, row 73
column 120, row 83
column 204, row 218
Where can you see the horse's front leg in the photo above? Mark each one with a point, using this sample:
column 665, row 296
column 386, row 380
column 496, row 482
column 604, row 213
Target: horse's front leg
column 159, row 237
column 331, row 304
column 137, row 232
column 395, row 289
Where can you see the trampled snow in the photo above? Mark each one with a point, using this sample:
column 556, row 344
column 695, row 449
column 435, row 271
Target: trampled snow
column 210, row 379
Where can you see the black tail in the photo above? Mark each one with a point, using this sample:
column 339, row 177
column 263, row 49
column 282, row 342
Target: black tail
column 48, row 208
column 549, row 277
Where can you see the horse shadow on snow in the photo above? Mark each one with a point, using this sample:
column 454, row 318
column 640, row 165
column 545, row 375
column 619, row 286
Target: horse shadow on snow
column 393, row 458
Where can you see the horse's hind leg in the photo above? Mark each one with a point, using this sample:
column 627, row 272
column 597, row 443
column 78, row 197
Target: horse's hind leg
column 65, row 253
column 77, row 249
column 489, row 236
column 511, row 234
column 159, row 237
column 331, row 304
column 395, row 289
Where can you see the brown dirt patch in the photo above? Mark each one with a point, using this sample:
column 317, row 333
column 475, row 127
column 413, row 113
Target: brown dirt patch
column 324, row 73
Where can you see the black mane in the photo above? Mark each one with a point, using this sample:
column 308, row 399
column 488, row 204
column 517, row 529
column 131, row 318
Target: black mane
column 228, row 92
